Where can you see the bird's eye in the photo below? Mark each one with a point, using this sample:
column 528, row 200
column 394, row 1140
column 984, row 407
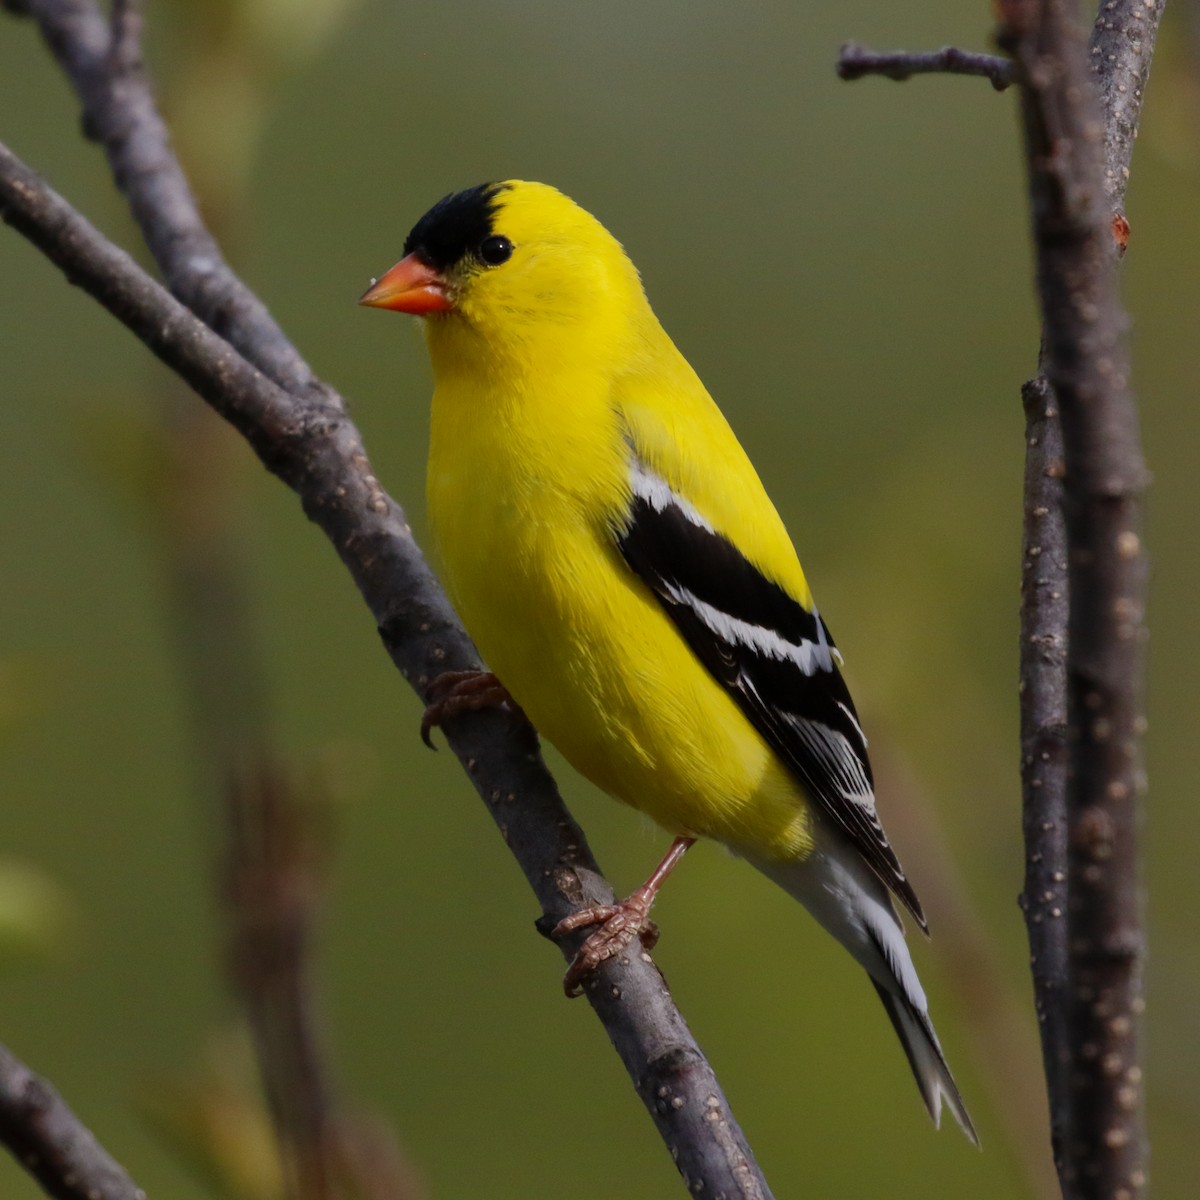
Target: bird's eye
column 495, row 249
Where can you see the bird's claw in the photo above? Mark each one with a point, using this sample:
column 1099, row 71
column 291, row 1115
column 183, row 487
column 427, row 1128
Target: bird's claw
column 619, row 925
column 455, row 692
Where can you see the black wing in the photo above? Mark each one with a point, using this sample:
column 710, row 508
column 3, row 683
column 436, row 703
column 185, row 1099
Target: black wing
column 775, row 658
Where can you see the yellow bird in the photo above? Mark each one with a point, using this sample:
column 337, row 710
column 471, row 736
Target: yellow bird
column 626, row 577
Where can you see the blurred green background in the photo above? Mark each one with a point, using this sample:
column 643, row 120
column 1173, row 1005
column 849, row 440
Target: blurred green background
column 847, row 266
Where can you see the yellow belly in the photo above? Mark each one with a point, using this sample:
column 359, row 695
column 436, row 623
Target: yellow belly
column 587, row 651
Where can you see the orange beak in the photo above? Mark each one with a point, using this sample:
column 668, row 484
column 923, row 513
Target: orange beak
column 409, row 287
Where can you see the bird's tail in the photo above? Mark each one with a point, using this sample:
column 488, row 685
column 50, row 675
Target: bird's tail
column 846, row 897
column 929, row 1067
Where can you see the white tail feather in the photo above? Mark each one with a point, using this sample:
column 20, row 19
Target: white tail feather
column 850, row 902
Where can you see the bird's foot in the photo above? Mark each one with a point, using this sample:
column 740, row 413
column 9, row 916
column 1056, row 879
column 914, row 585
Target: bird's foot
column 455, row 692
column 619, row 925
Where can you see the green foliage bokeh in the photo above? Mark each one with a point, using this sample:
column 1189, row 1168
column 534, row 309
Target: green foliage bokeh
column 847, row 267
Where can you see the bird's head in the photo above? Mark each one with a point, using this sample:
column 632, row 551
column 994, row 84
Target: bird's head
column 510, row 264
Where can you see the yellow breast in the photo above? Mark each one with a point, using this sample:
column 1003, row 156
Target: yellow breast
column 521, row 509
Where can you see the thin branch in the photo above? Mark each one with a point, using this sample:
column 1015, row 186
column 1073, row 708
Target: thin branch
column 277, row 847
column 320, row 454
column 1103, row 1153
column 273, row 837
column 855, row 61
column 1120, row 51
column 1045, row 753
column 1042, row 656
column 271, row 880
column 1085, row 955
column 1121, row 48
column 52, row 1144
column 310, row 444
column 120, row 113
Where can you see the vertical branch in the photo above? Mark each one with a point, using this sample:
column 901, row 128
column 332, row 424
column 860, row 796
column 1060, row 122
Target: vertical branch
column 1080, row 894
column 277, row 849
column 270, row 886
column 1120, row 51
column 1100, row 1111
column 272, row 839
column 1045, row 753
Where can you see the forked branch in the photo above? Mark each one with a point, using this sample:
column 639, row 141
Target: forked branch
column 217, row 336
column 1103, row 1151
column 1084, row 573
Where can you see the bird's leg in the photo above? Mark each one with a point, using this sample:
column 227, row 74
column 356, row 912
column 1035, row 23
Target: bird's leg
column 455, row 692
column 619, row 923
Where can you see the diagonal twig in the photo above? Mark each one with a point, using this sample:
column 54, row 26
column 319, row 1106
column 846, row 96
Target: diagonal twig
column 310, row 443
column 52, row 1144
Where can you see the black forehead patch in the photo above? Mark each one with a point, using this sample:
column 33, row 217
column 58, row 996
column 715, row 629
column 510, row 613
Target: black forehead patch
column 455, row 225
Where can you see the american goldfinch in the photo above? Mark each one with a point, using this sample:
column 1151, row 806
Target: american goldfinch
column 624, row 574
